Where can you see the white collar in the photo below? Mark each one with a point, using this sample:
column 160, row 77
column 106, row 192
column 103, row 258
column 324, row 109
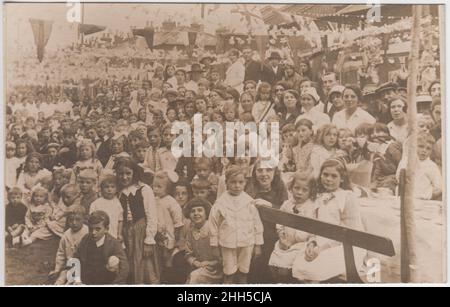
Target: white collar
column 132, row 189
column 100, row 242
column 201, row 233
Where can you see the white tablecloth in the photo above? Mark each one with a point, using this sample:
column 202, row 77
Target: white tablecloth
column 382, row 217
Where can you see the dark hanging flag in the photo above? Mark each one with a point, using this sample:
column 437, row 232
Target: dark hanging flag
column 148, row 33
column 90, row 29
column 41, row 31
column 192, row 37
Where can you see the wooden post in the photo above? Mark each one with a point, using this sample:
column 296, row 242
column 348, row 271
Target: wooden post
column 410, row 227
column 82, row 22
column 404, row 262
column 442, row 64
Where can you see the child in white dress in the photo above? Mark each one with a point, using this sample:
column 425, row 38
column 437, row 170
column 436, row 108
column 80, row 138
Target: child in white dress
column 37, row 217
column 303, row 190
column 86, row 159
column 323, row 259
column 110, row 204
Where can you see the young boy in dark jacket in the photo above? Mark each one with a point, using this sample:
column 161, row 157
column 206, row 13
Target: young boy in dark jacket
column 102, row 258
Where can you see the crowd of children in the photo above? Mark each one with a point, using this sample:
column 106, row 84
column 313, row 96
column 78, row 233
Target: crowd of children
column 102, row 176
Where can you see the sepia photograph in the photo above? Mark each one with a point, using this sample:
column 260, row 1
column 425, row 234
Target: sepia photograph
column 224, row 143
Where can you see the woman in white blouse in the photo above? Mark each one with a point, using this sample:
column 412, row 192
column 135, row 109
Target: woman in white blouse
column 308, row 99
column 352, row 116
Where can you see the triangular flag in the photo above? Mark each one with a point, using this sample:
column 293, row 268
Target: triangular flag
column 148, row 33
column 87, row 29
column 41, row 31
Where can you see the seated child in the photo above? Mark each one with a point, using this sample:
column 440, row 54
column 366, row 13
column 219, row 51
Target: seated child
column 32, row 173
column 387, row 155
column 110, row 204
column 291, row 241
column 60, row 178
column 69, row 199
column 15, row 212
column 428, row 178
column 206, row 269
column 95, row 253
column 87, row 180
column 69, row 243
column 37, row 217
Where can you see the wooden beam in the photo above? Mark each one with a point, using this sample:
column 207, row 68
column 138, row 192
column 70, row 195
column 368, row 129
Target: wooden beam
column 353, row 237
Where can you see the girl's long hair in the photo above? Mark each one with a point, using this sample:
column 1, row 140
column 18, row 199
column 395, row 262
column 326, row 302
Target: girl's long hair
column 252, row 187
column 32, row 156
column 339, row 165
column 323, row 131
column 131, row 164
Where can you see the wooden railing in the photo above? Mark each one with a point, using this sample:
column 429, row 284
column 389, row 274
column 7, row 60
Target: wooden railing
column 349, row 237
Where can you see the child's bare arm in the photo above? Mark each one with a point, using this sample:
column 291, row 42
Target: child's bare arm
column 120, row 231
column 178, row 234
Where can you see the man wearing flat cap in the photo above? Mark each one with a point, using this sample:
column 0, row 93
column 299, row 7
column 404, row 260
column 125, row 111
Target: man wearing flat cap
column 273, row 72
column 253, row 69
column 387, row 92
column 195, row 74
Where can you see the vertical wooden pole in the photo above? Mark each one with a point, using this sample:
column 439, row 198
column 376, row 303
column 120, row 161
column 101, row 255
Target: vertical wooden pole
column 442, row 64
column 410, row 227
column 203, row 10
column 82, row 22
column 404, row 263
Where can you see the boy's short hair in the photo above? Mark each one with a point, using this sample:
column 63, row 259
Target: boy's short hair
column 88, row 174
column 364, row 128
column 15, row 190
column 99, row 217
column 107, row 179
column 70, row 187
column 288, row 128
column 69, row 132
column 233, row 171
column 202, row 161
column 76, row 210
column 142, row 144
column 304, row 122
column 200, row 184
column 427, row 119
column 345, row 130
column 102, row 121
column 134, row 134
column 10, row 144
column 426, row 138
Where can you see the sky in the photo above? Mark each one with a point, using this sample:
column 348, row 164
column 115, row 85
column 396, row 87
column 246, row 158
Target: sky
column 116, row 16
